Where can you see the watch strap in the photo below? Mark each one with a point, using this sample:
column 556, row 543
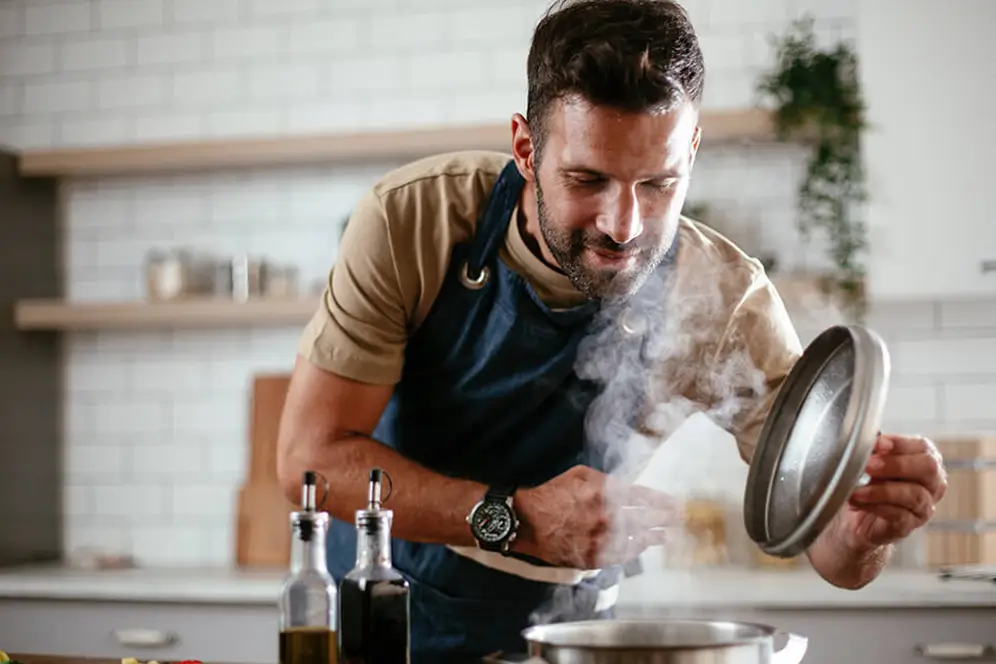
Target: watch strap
column 501, row 491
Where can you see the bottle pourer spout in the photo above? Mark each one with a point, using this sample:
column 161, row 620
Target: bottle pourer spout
column 308, row 492
column 374, row 490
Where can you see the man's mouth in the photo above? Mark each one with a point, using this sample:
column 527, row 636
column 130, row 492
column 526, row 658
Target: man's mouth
column 610, row 258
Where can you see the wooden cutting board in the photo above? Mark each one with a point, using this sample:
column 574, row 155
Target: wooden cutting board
column 269, row 392
column 263, row 527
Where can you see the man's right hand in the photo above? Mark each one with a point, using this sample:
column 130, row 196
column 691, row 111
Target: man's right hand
column 584, row 519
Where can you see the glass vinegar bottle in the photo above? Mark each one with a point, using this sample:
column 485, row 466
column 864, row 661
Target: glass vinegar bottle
column 374, row 598
column 308, row 598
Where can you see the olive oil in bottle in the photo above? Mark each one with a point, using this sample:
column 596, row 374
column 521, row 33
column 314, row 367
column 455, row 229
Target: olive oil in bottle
column 308, row 598
column 374, row 602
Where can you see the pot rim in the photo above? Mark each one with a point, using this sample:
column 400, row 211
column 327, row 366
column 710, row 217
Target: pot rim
column 535, row 634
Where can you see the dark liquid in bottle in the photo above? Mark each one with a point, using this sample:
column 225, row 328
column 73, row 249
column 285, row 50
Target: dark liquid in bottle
column 308, row 645
column 373, row 622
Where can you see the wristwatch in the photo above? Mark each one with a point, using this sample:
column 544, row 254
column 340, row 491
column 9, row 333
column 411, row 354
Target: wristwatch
column 493, row 521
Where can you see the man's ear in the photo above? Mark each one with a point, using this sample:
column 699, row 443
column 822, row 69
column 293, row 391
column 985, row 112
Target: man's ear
column 523, row 150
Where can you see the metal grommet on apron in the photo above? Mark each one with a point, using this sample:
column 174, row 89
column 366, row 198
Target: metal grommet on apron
column 477, row 282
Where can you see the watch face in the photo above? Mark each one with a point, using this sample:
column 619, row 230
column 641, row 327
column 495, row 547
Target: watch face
column 492, row 522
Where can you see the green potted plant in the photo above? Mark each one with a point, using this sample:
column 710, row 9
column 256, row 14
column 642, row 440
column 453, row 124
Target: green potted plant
column 817, row 100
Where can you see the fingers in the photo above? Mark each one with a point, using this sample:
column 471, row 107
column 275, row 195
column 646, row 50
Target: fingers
column 920, row 468
column 908, row 496
column 655, row 500
column 895, row 444
column 894, row 523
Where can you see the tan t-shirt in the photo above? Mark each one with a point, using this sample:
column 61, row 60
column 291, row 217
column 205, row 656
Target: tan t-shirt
column 725, row 347
column 730, row 341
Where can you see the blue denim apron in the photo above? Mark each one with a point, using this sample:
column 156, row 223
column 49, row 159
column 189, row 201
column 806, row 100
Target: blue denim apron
column 488, row 393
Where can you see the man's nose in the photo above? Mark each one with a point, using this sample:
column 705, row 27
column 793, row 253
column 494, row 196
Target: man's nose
column 623, row 223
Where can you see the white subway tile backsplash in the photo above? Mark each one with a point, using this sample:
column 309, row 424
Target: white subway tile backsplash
column 164, row 460
column 56, row 18
column 171, row 47
column 260, row 42
column 25, row 57
column 208, row 87
column 285, row 82
column 137, row 501
column 324, row 36
column 896, row 320
column 174, row 125
column 267, row 9
column 208, row 500
column 167, row 545
column 54, row 96
column 912, row 403
column 10, row 21
column 157, row 421
column 131, row 91
column 970, row 401
column 88, row 53
column 121, row 415
column 164, row 374
column 767, row 13
column 92, row 374
column 87, row 533
column 130, row 13
column 195, row 414
column 33, row 134
column 77, row 499
column 947, row 357
column 98, row 463
column 971, row 314
column 242, row 123
column 218, row 543
column 198, row 11
column 95, row 131
column 405, row 31
column 10, row 100
column 723, row 50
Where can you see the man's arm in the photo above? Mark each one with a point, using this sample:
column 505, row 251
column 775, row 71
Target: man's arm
column 326, row 427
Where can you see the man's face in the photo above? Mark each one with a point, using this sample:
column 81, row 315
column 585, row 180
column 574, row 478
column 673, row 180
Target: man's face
column 610, row 187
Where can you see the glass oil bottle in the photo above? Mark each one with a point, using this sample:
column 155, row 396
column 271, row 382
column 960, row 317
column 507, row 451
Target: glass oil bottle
column 308, row 598
column 374, row 598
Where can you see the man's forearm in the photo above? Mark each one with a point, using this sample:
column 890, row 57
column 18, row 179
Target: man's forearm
column 844, row 565
column 427, row 506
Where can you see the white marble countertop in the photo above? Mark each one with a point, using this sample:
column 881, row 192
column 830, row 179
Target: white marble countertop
column 195, row 586
column 799, row 589
column 718, row 588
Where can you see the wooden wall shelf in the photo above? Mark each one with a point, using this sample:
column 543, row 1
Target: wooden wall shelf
column 717, row 126
column 206, row 313
column 220, row 313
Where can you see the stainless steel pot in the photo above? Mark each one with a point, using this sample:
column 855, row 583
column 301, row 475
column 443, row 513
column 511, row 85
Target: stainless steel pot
column 645, row 641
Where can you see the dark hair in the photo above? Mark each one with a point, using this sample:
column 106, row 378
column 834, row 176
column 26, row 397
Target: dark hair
column 633, row 55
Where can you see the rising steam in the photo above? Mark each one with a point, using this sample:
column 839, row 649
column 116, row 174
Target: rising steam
column 659, row 358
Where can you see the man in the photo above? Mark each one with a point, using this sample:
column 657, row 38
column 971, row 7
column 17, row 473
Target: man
column 458, row 346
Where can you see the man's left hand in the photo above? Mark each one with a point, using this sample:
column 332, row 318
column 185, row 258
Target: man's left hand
column 907, row 481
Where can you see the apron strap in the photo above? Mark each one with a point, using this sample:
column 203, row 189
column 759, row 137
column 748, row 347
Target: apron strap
column 493, row 224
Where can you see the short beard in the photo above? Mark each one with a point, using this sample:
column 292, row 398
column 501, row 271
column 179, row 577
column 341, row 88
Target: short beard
column 568, row 250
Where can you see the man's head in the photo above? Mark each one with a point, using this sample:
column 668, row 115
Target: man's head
column 614, row 90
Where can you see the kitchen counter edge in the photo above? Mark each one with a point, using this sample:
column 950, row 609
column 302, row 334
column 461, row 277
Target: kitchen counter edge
column 719, row 588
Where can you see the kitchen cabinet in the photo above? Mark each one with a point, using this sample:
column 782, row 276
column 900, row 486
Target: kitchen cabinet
column 926, row 71
column 870, row 635
column 243, row 633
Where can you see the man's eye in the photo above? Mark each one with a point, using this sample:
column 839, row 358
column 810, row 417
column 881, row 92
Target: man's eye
column 661, row 185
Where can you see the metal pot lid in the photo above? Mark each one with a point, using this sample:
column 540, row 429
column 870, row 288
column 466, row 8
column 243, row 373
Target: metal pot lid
column 816, row 442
